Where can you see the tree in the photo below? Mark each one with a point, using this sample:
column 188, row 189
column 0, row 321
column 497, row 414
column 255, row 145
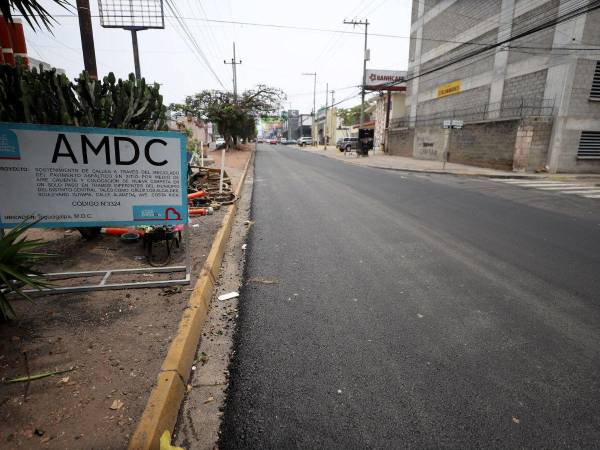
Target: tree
column 35, row 14
column 234, row 118
column 351, row 116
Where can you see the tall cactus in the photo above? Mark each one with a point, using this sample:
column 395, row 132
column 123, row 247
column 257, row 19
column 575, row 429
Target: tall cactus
column 47, row 97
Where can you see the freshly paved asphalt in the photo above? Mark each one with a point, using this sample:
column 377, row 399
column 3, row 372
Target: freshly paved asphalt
column 414, row 311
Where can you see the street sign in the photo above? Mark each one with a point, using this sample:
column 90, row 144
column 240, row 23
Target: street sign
column 454, row 123
column 90, row 177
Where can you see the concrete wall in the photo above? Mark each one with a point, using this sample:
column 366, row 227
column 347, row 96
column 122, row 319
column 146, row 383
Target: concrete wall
column 400, row 141
column 429, row 143
column 484, row 144
column 583, row 115
column 531, row 145
column 530, row 85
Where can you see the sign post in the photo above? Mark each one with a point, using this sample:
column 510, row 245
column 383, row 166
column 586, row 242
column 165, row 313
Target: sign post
column 74, row 177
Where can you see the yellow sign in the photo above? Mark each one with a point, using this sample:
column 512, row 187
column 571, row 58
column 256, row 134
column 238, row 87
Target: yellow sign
column 448, row 88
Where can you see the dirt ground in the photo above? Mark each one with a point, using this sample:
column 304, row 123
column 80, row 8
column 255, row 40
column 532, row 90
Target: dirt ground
column 112, row 342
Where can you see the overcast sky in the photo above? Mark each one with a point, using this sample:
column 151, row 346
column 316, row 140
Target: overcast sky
column 273, row 56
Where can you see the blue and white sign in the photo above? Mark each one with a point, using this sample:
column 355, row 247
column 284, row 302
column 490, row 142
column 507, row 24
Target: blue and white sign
column 87, row 177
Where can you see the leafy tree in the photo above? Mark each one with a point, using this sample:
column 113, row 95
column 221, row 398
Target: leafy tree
column 351, row 116
column 32, row 11
column 235, row 118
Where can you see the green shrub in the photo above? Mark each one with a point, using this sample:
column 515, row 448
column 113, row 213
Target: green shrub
column 17, row 260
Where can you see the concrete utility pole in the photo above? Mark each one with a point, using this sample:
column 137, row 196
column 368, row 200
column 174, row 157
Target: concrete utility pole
column 234, row 63
column 87, row 38
column 365, row 59
column 325, row 123
column 314, row 111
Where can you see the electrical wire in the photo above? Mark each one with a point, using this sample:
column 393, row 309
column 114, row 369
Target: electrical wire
column 171, row 5
column 586, row 6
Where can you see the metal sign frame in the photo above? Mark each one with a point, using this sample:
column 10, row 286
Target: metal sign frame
column 113, row 14
column 106, row 274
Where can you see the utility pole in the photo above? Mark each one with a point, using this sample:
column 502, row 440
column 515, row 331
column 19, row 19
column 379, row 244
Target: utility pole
column 234, row 63
column 365, row 59
column 87, row 38
column 314, row 110
column 325, row 123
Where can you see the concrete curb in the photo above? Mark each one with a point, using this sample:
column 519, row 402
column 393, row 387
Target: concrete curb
column 435, row 171
column 160, row 413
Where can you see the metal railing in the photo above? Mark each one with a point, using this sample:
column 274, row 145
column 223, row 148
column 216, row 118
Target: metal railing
column 513, row 108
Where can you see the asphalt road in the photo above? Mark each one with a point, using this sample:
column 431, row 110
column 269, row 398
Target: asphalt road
column 414, row 311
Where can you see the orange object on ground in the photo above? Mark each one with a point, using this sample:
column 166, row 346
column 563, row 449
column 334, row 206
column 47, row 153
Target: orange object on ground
column 198, row 211
column 198, row 194
column 120, row 231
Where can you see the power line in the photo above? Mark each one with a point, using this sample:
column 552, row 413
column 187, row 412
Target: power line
column 587, row 6
column 171, row 5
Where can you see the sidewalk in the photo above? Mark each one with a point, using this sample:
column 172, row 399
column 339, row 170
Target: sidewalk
column 389, row 162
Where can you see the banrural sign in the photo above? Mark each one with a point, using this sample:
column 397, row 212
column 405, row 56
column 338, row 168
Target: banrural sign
column 388, row 80
column 86, row 177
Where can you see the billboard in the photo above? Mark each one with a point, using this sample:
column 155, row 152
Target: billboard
column 86, row 177
column 388, row 80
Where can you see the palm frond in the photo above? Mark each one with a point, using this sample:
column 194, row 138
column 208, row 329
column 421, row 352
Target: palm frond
column 32, row 11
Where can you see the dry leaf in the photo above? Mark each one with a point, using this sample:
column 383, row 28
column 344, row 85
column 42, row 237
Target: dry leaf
column 117, row 404
column 516, row 420
column 209, row 399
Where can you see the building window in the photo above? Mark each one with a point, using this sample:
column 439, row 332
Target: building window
column 589, row 145
column 595, row 92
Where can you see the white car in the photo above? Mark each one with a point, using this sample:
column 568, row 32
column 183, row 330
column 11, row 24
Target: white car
column 283, row 141
column 220, row 141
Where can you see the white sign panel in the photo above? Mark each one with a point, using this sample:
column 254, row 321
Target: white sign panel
column 392, row 80
column 86, row 177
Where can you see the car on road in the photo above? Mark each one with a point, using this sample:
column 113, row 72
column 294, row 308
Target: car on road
column 283, row 141
column 259, row 141
column 338, row 143
column 305, row 140
column 273, row 141
column 348, row 144
column 220, row 141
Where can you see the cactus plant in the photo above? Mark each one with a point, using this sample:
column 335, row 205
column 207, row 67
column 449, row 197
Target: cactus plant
column 47, row 97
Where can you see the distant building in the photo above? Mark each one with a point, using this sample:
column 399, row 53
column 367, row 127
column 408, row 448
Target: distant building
column 36, row 63
column 199, row 130
column 530, row 104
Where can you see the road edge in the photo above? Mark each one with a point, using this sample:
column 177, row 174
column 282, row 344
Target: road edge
column 162, row 408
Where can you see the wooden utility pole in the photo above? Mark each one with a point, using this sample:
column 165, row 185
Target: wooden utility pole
column 87, row 38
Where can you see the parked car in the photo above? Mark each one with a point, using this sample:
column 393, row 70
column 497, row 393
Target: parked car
column 283, row 141
column 338, row 144
column 349, row 144
column 305, row 140
column 219, row 142
column 273, row 141
column 260, row 140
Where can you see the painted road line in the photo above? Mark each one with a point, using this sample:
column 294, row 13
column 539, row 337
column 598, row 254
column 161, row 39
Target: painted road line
column 565, row 188
column 587, row 191
column 539, row 185
column 591, row 196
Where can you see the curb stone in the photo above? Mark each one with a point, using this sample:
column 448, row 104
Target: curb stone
column 162, row 408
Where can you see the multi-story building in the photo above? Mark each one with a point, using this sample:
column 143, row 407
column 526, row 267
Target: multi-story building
column 531, row 103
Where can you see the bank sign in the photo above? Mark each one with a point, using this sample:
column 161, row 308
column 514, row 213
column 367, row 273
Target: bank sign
column 86, row 177
column 387, row 80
